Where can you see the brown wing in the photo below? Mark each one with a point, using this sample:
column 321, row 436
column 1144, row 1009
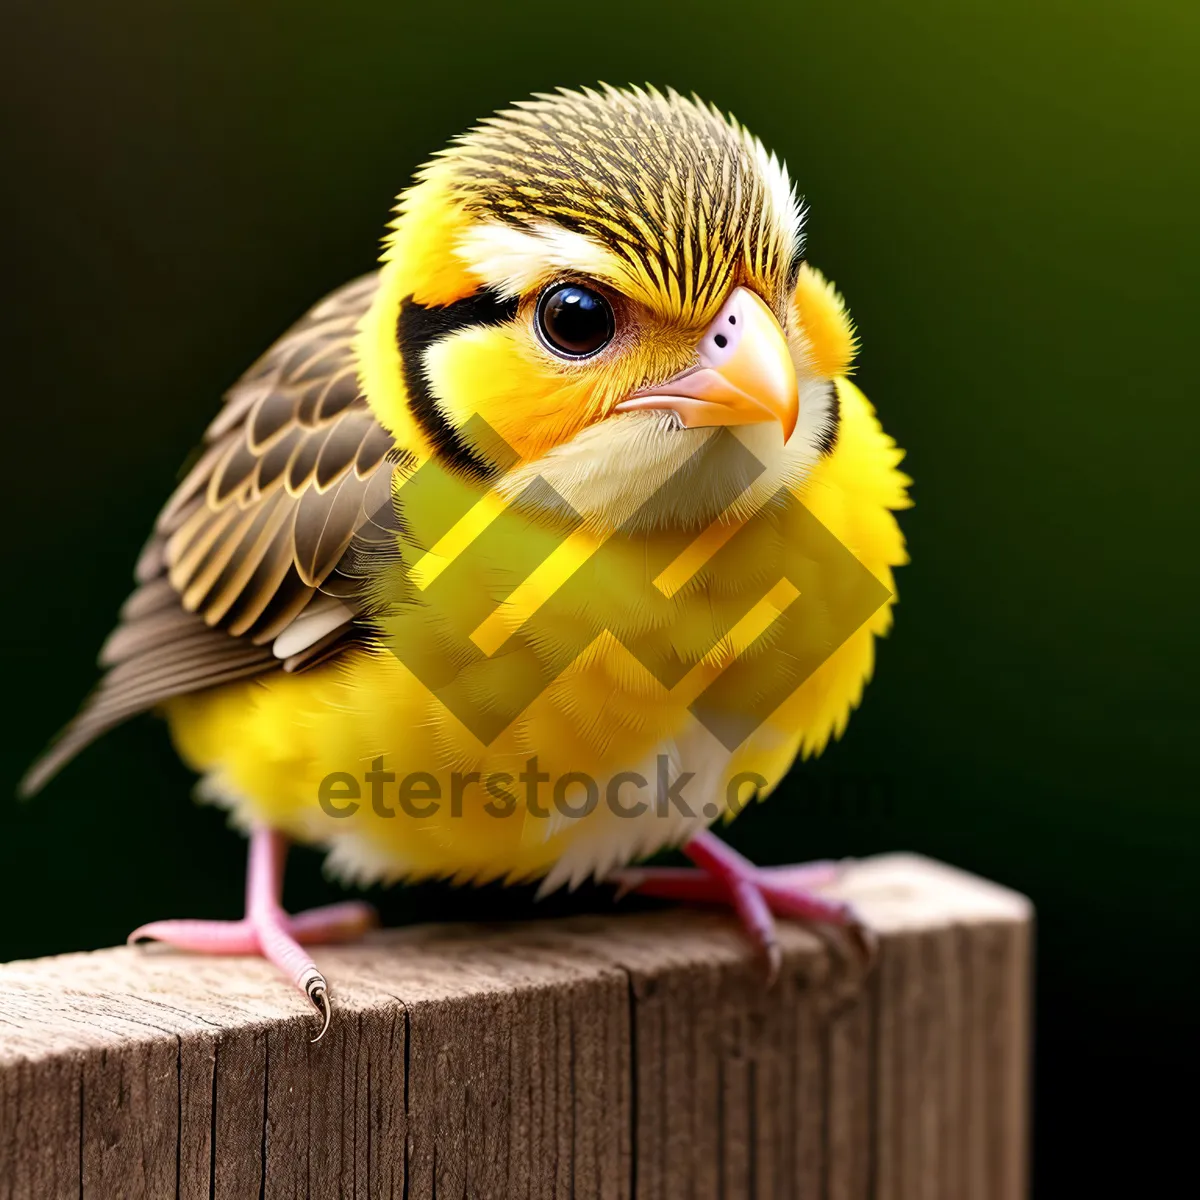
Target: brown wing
column 252, row 563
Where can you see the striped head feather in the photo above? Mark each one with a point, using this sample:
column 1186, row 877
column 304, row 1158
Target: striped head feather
column 685, row 201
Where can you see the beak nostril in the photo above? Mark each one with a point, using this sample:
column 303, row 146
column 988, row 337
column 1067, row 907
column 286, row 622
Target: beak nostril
column 745, row 375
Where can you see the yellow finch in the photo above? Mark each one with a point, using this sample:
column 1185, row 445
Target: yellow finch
column 535, row 552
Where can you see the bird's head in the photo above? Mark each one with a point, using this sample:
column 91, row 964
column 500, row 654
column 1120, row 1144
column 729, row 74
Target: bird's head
column 603, row 280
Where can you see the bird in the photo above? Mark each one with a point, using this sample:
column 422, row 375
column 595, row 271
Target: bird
column 543, row 548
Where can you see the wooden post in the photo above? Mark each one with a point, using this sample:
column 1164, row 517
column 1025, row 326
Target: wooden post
column 635, row 1055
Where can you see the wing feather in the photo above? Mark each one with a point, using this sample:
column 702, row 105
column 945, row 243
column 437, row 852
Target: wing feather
column 292, row 484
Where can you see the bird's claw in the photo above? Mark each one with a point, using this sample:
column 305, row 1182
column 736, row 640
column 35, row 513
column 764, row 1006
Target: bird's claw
column 773, row 959
column 317, row 991
column 864, row 939
column 758, row 894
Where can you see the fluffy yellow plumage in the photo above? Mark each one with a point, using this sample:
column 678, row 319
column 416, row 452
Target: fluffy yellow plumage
column 269, row 742
column 458, row 506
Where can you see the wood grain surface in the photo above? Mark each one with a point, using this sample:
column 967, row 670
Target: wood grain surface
column 634, row 1055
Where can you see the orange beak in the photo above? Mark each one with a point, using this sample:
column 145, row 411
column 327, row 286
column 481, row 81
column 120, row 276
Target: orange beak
column 746, row 375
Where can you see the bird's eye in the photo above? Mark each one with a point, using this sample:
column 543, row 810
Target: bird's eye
column 574, row 321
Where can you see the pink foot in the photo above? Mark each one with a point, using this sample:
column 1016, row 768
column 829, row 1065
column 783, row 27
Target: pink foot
column 757, row 894
column 267, row 930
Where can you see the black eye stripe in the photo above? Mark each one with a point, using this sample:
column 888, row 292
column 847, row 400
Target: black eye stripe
column 829, row 435
column 421, row 325
column 417, row 328
column 793, row 270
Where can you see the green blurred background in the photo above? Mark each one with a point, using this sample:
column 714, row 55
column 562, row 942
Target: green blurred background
column 1007, row 193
